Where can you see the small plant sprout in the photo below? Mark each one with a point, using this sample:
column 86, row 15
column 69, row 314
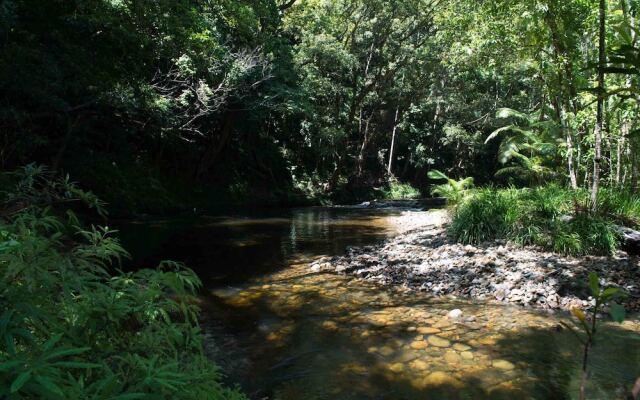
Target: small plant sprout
column 587, row 322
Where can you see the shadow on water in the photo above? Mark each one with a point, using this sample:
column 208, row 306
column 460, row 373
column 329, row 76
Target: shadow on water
column 285, row 333
column 224, row 250
column 323, row 337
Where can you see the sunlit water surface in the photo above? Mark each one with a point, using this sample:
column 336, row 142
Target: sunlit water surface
column 283, row 332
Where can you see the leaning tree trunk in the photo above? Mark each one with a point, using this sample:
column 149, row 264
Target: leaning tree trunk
column 599, row 113
column 393, row 141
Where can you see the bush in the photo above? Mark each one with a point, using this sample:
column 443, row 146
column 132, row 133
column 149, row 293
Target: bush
column 453, row 190
column 552, row 217
column 400, row 191
column 585, row 235
column 487, row 214
column 70, row 329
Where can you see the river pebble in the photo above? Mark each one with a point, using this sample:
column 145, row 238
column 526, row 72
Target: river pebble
column 424, row 259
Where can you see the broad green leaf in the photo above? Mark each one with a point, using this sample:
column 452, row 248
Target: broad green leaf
column 75, row 364
column 65, row 352
column 617, row 312
column 609, row 293
column 130, row 396
column 436, row 175
column 20, row 381
column 48, row 345
column 593, row 284
column 10, row 365
column 49, row 385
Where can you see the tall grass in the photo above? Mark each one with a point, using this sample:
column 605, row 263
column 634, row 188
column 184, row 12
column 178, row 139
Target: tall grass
column 485, row 215
column 552, row 217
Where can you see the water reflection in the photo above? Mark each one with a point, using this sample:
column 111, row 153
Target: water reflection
column 285, row 333
column 229, row 249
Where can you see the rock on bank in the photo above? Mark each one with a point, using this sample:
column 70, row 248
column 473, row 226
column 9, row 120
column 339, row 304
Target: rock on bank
column 421, row 257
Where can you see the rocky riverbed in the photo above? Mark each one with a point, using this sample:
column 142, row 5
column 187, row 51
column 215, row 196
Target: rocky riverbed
column 421, row 257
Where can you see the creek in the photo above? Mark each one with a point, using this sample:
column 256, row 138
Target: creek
column 284, row 332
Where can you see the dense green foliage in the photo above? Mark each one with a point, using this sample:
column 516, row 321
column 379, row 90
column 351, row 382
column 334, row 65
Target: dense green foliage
column 160, row 105
column 71, row 327
column 552, row 216
column 400, row 191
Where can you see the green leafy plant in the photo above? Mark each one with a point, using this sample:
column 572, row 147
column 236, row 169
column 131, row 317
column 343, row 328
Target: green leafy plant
column 545, row 216
column 400, row 191
column 484, row 215
column 453, row 190
column 587, row 326
column 529, row 143
column 72, row 328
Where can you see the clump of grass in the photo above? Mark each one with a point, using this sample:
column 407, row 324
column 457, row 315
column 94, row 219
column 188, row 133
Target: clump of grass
column 620, row 205
column 453, row 190
column 485, row 215
column 549, row 216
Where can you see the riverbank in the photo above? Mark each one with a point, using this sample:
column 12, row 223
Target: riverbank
column 421, row 257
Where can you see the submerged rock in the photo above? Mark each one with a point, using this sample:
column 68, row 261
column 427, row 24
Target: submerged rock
column 438, row 341
column 503, row 364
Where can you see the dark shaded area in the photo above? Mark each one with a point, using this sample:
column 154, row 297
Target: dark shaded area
column 225, row 250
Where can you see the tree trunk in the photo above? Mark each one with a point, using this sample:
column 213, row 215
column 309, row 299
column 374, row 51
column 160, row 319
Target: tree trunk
column 215, row 147
column 393, row 140
column 599, row 112
column 569, row 139
column 621, row 144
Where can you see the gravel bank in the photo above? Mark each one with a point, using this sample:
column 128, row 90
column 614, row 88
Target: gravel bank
column 421, row 257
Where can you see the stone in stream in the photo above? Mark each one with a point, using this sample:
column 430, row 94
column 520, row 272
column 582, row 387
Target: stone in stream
column 503, row 364
column 397, row 367
column 427, row 330
column 437, row 341
column 419, row 345
column 385, row 351
column 467, row 355
column 454, row 314
column 418, row 365
column 461, row 347
column 451, row 357
column 440, row 378
column 443, row 323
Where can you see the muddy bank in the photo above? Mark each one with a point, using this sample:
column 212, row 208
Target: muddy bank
column 422, row 258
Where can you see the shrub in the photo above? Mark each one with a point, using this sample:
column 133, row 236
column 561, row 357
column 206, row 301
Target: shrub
column 71, row 329
column 485, row 215
column 621, row 206
column 544, row 216
column 585, row 235
column 400, row 191
column 453, row 190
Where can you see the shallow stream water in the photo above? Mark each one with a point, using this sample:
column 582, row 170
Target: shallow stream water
column 283, row 332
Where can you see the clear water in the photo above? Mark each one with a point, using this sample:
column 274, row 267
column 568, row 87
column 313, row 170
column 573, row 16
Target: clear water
column 283, row 332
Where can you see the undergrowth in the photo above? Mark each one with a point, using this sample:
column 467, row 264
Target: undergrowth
column 71, row 327
column 551, row 216
column 400, row 191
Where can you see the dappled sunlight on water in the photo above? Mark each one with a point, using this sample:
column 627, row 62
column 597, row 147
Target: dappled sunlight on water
column 327, row 336
column 284, row 332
